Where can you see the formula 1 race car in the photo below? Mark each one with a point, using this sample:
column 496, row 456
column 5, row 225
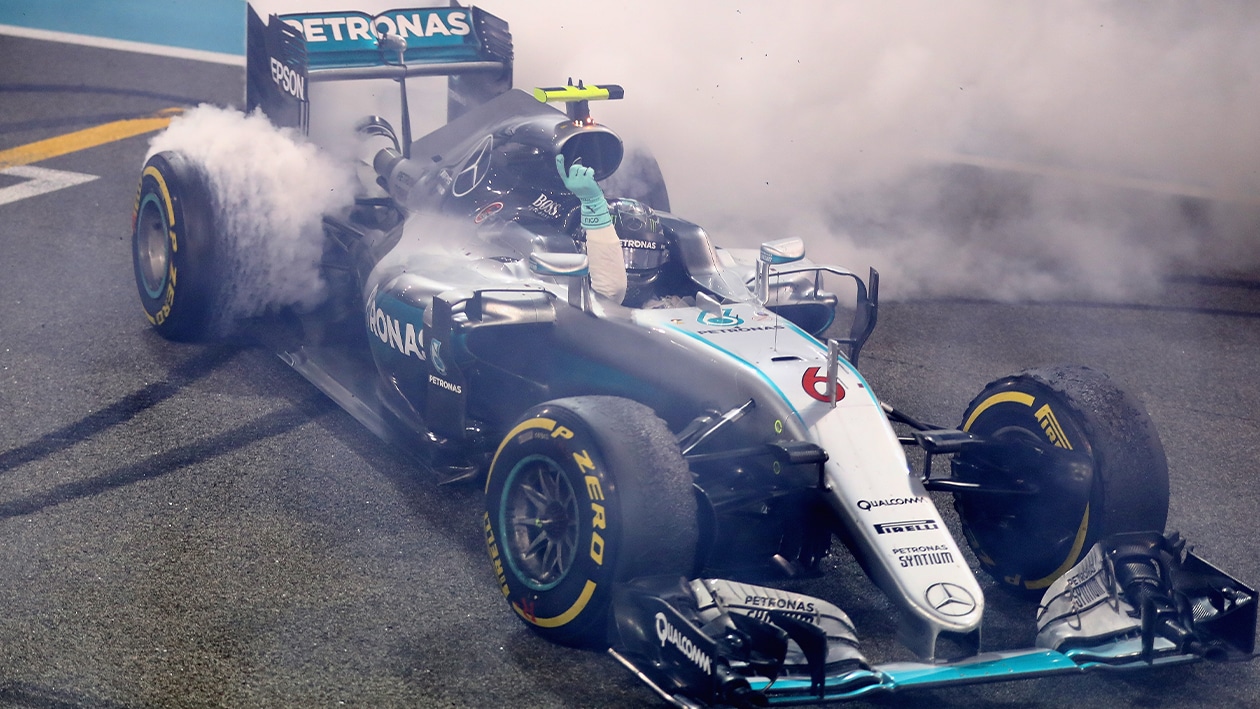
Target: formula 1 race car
column 646, row 468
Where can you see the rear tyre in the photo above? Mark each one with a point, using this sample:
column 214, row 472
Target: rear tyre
column 1118, row 483
column 583, row 493
column 174, row 244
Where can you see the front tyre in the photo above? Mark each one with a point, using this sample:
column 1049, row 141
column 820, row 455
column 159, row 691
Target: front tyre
column 1115, row 479
column 173, row 247
column 585, row 492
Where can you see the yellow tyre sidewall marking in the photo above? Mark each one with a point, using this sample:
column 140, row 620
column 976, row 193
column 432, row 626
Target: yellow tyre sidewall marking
column 156, row 174
column 1018, row 397
column 588, row 590
column 1069, row 562
column 1082, row 530
column 543, row 423
column 165, row 311
column 578, row 606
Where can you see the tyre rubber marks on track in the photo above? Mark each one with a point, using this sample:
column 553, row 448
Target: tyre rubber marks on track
column 16, row 162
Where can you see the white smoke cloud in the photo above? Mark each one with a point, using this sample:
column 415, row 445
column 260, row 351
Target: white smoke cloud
column 270, row 188
column 978, row 147
column 1115, row 140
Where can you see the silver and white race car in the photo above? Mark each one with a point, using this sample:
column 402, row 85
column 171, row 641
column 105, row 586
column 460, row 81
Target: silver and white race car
column 647, row 469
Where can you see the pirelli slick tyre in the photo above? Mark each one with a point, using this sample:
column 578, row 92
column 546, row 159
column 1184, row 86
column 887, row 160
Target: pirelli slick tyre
column 1115, row 479
column 582, row 493
column 173, row 248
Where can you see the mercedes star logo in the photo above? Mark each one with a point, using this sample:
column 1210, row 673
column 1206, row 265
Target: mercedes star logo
column 474, row 169
column 950, row 599
column 435, row 355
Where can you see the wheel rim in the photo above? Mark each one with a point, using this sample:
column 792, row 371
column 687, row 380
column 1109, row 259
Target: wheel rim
column 1060, row 538
column 540, row 517
column 153, row 254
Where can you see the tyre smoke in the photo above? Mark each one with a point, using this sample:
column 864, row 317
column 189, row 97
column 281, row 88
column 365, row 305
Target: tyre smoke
column 978, row 147
column 270, row 188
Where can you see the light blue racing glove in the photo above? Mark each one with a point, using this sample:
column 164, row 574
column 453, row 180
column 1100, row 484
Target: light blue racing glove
column 581, row 182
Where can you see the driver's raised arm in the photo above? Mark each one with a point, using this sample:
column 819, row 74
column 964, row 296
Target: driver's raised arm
column 603, row 248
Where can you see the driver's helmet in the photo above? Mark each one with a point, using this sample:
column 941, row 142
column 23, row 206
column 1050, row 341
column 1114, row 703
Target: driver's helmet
column 643, row 242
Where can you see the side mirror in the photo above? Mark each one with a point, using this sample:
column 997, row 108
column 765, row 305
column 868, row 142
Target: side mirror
column 574, row 267
column 776, row 253
column 782, row 251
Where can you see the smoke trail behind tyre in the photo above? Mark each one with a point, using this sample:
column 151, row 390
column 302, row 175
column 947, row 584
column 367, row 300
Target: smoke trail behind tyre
column 974, row 147
column 270, row 189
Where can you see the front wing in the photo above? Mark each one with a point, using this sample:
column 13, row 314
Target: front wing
column 714, row 642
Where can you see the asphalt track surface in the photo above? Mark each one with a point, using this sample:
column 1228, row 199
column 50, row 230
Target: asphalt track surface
column 195, row 525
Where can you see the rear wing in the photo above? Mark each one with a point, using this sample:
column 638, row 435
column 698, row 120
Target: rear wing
column 291, row 50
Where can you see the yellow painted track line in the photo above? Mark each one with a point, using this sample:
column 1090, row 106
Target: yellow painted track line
column 84, row 139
